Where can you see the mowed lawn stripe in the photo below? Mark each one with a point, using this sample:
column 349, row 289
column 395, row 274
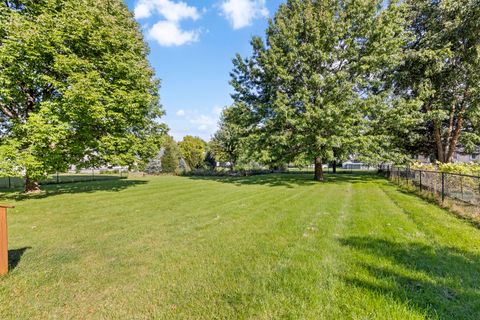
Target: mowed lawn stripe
column 400, row 268
column 254, row 271
column 302, row 283
column 101, row 207
column 363, row 290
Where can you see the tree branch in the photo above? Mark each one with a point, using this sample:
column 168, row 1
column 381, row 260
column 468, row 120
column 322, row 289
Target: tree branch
column 8, row 112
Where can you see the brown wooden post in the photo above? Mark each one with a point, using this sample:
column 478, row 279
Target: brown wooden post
column 3, row 240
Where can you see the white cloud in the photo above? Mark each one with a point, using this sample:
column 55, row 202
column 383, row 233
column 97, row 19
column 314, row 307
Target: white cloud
column 204, row 122
column 203, row 125
column 167, row 31
column 143, row 10
column 217, row 111
column 172, row 11
column 241, row 13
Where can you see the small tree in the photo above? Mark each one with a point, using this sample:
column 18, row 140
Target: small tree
column 210, row 161
column 154, row 166
column 192, row 149
column 226, row 142
column 170, row 159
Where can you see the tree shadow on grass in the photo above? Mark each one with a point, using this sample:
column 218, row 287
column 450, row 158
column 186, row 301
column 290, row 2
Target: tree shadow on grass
column 14, row 257
column 290, row 180
column 439, row 281
column 71, row 188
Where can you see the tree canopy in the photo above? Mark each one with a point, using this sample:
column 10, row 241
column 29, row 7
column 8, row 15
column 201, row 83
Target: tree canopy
column 312, row 89
column 171, row 155
column 442, row 71
column 193, row 149
column 226, row 142
column 75, row 87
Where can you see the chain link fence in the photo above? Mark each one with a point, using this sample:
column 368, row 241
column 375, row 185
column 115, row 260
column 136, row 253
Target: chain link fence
column 57, row 178
column 458, row 187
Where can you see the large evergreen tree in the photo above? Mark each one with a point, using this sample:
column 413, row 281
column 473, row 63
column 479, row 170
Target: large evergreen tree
column 310, row 90
column 75, row 87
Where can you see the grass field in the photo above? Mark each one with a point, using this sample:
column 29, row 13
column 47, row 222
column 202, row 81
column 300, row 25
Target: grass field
column 264, row 247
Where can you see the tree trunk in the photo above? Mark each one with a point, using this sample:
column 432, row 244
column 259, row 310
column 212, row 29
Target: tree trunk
column 439, row 143
column 31, row 185
column 454, row 139
column 334, row 166
column 318, row 169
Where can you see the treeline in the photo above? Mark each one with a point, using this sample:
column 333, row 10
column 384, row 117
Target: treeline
column 381, row 81
column 192, row 153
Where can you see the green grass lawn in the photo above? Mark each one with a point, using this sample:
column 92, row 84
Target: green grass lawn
column 264, row 247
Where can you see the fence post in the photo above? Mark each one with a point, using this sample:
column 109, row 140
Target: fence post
column 3, row 239
column 461, row 185
column 420, row 180
column 443, row 187
column 9, row 183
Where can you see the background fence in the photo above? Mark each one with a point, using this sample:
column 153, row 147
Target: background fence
column 459, row 187
column 329, row 169
column 17, row 182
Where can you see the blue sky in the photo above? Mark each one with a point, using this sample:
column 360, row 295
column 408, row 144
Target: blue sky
column 192, row 46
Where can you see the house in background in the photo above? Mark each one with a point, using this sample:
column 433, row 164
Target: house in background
column 458, row 157
column 461, row 157
column 355, row 165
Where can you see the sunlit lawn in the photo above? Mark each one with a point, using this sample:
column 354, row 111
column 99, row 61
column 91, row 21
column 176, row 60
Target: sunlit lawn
column 264, row 247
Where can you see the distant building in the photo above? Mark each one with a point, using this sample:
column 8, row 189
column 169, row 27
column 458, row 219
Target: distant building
column 102, row 169
column 355, row 165
column 223, row 164
column 461, row 157
column 458, row 157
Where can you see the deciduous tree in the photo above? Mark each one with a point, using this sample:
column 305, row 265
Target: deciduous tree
column 311, row 88
column 226, row 142
column 192, row 150
column 75, row 87
column 442, row 70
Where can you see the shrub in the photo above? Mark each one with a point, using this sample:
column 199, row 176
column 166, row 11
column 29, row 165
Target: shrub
column 470, row 168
